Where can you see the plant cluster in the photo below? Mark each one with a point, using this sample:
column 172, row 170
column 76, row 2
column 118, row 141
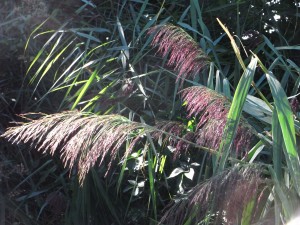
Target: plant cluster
column 151, row 115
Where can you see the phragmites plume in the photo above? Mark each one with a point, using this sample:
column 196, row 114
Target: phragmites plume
column 185, row 53
column 82, row 139
column 220, row 200
column 295, row 105
column 175, row 135
column 212, row 108
column 174, row 128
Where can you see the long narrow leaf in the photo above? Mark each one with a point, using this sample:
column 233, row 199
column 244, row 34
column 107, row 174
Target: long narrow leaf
column 85, row 88
column 235, row 112
column 277, row 145
column 287, row 125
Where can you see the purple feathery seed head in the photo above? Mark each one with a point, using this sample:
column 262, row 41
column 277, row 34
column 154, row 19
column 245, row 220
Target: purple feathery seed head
column 224, row 197
column 166, row 129
column 82, row 140
column 175, row 134
column 182, row 146
column 295, row 105
column 185, row 55
column 212, row 109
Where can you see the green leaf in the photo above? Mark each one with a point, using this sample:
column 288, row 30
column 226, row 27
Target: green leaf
column 235, row 112
column 85, row 88
column 295, row 47
column 287, row 125
column 234, row 45
column 277, row 145
column 286, row 121
column 284, row 114
column 151, row 174
column 254, row 152
column 87, row 36
column 281, row 195
column 248, row 212
column 210, row 80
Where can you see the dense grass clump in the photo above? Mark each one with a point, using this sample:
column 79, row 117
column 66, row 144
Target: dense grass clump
column 134, row 112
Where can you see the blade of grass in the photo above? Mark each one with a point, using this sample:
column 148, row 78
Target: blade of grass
column 254, row 152
column 218, row 87
column 210, row 81
column 193, row 5
column 151, row 174
column 33, row 32
column 50, row 64
column 45, row 61
column 279, row 194
column 234, row 113
column 44, row 47
column 85, row 87
column 287, row 125
column 277, row 145
column 226, row 88
column 125, row 51
column 234, row 46
column 98, row 96
column 238, row 55
column 141, row 12
column 248, row 212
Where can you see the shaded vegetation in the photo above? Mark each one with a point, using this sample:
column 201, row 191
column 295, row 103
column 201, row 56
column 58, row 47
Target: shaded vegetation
column 149, row 112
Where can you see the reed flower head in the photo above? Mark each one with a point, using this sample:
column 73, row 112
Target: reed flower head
column 175, row 134
column 171, row 130
column 185, row 54
column 224, row 197
column 295, row 106
column 83, row 140
column 183, row 146
column 212, row 109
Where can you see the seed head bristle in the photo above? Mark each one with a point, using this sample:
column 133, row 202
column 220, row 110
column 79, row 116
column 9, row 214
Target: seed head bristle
column 212, row 109
column 224, row 197
column 82, row 139
column 185, row 55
